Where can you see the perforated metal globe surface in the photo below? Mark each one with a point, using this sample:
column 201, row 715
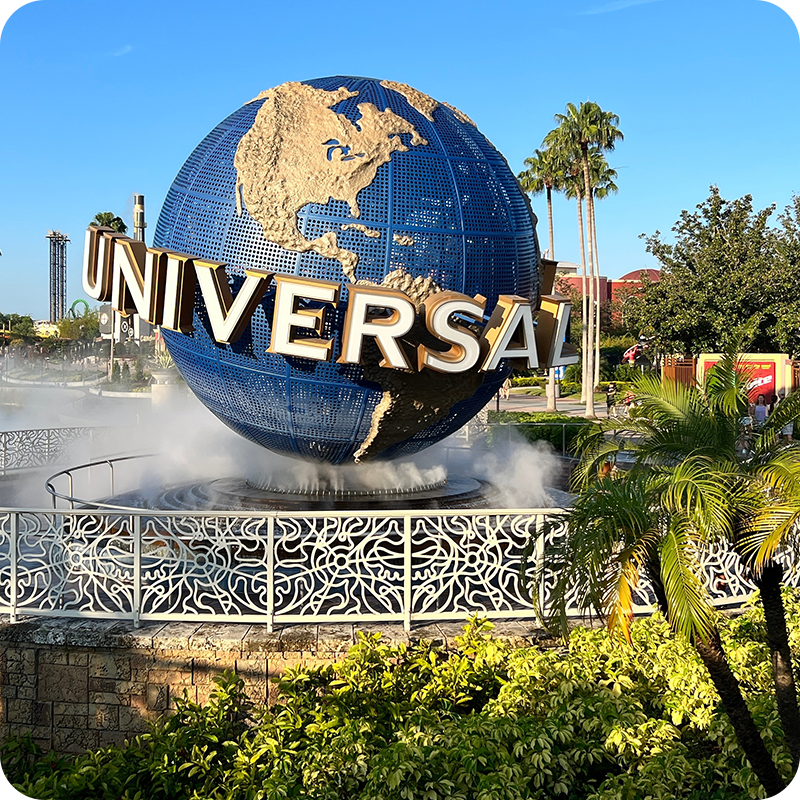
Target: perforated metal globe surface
column 418, row 193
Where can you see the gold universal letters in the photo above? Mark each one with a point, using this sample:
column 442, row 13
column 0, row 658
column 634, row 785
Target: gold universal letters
column 159, row 285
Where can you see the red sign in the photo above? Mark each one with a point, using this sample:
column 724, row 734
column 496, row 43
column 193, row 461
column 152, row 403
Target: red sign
column 760, row 378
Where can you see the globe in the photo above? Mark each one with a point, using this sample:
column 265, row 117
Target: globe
column 349, row 180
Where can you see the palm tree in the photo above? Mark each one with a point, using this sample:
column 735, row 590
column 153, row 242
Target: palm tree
column 603, row 185
column 545, row 172
column 580, row 128
column 108, row 219
column 573, row 189
column 698, row 479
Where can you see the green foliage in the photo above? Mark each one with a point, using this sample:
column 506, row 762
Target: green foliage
column 550, row 427
column 485, row 721
column 726, row 265
column 85, row 328
column 19, row 329
column 108, row 219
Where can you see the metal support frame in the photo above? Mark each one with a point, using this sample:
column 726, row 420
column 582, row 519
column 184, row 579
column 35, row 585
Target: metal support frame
column 58, row 274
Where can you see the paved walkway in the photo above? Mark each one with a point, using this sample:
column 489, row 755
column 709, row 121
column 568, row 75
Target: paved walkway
column 570, row 406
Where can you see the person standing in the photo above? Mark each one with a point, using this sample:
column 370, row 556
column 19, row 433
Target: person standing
column 760, row 411
column 611, row 399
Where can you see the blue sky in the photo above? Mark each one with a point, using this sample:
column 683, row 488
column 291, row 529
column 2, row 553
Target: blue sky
column 99, row 102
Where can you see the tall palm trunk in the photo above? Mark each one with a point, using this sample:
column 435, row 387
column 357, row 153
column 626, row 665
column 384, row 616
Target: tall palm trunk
column 597, row 306
column 584, row 300
column 769, row 585
column 551, row 373
column 713, row 656
column 588, row 375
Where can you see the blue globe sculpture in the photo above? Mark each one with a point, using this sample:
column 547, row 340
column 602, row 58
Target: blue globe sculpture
column 421, row 199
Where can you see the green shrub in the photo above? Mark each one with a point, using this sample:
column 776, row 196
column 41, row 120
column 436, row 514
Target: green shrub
column 549, row 428
column 528, row 380
column 594, row 720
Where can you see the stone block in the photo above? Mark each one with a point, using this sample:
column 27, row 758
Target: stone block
column 61, row 683
column 104, row 698
column 175, row 635
column 73, row 740
column 20, row 659
column 260, row 640
column 157, row 697
column 26, row 692
column 133, row 721
column 141, row 661
column 299, row 638
column 102, row 684
column 79, row 659
column 103, row 717
column 214, row 636
column 19, row 711
column 8, row 691
column 171, row 677
column 124, row 688
column 42, row 714
column 109, row 665
column 22, row 679
column 137, row 638
column 334, row 638
column 205, row 670
column 51, row 656
column 71, row 709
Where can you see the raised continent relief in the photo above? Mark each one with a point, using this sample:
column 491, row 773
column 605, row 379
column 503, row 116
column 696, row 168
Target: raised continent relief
column 411, row 401
column 357, row 226
column 299, row 151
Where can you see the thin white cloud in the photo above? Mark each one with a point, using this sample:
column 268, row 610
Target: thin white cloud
column 617, row 5
column 123, row 51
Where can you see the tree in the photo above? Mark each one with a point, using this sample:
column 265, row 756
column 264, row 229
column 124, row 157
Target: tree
column 545, row 172
column 725, row 266
column 603, row 185
column 84, row 328
column 108, row 219
column 581, row 128
column 698, row 479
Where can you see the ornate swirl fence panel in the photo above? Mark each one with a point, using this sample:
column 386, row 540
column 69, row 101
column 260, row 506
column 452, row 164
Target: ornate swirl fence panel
column 38, row 447
column 404, row 566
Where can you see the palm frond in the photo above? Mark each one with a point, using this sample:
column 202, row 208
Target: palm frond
column 690, row 611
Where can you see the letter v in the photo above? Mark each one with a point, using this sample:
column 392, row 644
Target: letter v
column 229, row 317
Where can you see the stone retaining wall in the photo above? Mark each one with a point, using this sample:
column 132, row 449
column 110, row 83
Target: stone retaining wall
column 82, row 684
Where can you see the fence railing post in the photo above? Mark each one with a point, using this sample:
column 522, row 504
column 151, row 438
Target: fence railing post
column 407, row 572
column 137, row 569
column 539, row 555
column 270, row 574
column 13, row 550
column 563, row 438
column 4, row 440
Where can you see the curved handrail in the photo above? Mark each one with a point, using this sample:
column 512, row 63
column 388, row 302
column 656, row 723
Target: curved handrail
column 71, row 498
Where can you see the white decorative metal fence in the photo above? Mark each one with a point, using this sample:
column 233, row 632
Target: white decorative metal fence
column 38, row 447
column 404, row 566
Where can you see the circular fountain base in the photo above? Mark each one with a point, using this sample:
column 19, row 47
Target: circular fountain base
column 239, row 494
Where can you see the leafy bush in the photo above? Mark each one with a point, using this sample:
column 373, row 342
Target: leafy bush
column 594, row 720
column 549, row 428
column 528, row 380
